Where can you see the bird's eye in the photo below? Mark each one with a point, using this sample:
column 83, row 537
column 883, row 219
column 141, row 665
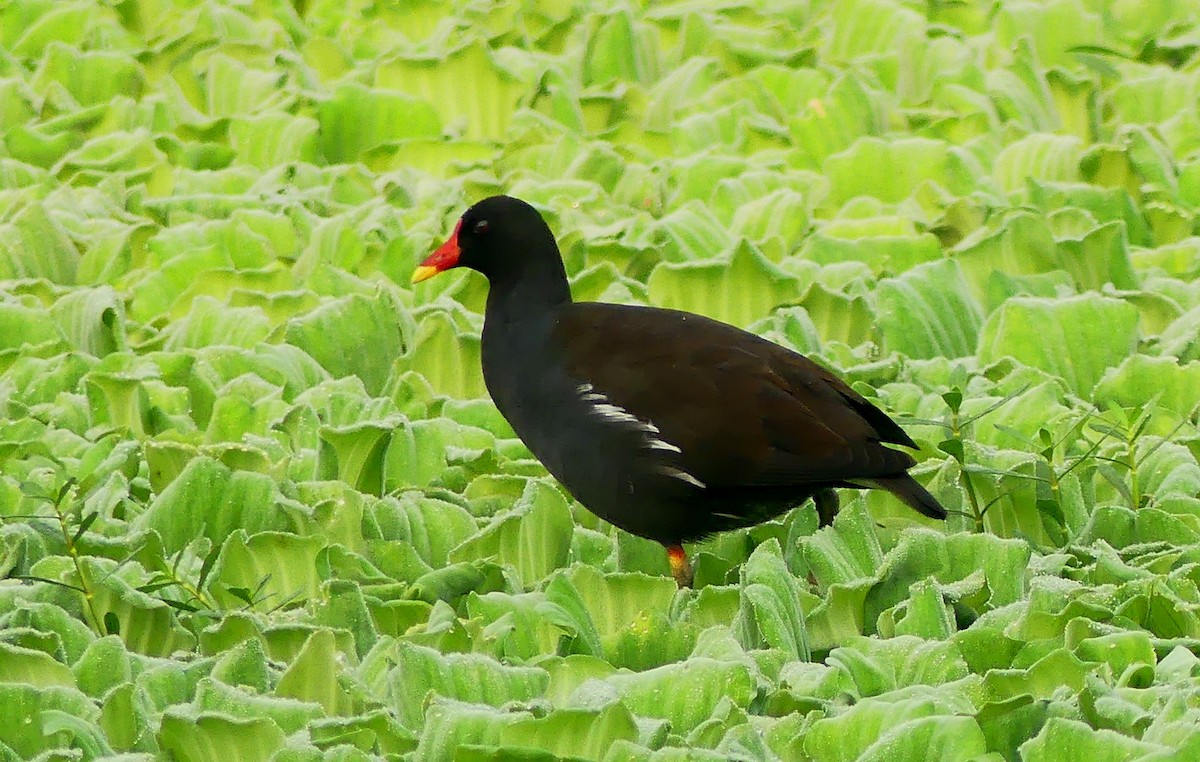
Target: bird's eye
column 481, row 227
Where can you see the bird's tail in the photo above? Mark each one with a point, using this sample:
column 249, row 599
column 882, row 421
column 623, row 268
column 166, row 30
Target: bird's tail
column 913, row 494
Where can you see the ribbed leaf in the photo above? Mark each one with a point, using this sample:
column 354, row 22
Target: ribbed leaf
column 466, row 89
column 740, row 292
column 687, row 693
column 209, row 499
column 448, row 358
column 929, row 312
column 770, row 614
column 210, row 737
column 352, row 335
column 312, row 676
column 534, row 538
column 1076, row 339
column 36, row 668
column 464, row 677
column 1072, row 741
column 275, row 568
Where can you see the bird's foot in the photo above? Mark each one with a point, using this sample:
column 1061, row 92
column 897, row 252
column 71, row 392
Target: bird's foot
column 827, row 504
column 681, row 568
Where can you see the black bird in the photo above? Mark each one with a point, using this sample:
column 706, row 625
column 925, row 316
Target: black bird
column 668, row 424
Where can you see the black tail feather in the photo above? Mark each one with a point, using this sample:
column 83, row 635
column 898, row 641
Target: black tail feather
column 912, row 493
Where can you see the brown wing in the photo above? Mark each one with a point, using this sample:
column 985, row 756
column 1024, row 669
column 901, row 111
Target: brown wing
column 743, row 411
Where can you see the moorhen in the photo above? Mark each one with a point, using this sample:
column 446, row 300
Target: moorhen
column 668, row 424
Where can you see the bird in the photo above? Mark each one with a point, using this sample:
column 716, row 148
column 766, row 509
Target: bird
column 668, row 424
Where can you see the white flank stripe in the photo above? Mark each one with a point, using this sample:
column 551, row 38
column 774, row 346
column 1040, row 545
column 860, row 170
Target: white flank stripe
column 683, row 476
column 617, row 414
column 658, row 444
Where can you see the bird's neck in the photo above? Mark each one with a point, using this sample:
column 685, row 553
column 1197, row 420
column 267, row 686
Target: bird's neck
column 522, row 295
column 520, row 316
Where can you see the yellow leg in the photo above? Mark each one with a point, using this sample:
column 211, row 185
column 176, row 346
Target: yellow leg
column 681, row 568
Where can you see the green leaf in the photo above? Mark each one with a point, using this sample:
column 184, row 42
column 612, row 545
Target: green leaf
column 1059, row 669
column 359, row 451
column 776, row 222
column 1102, row 204
column 1098, row 258
column 864, row 28
column 1042, row 156
column 879, row 666
column 22, row 726
column 690, row 234
column 929, row 312
column 620, row 616
column 419, row 671
column 1008, row 724
column 580, row 733
column 92, row 319
column 430, row 526
column 211, row 322
column 76, row 731
column 891, row 171
column 887, row 244
column 1119, row 650
column 929, row 738
column 354, row 335
column 91, row 77
column 105, row 663
column 1182, row 337
column 213, row 737
column 231, row 87
column 466, row 88
column 36, row 668
column 517, row 624
column 534, row 538
column 1072, row 741
column 685, row 694
column 449, row 725
column 272, row 138
column 147, row 625
column 447, row 357
column 22, row 326
column 838, row 316
column 926, row 614
column 456, row 580
column 1054, row 28
column 619, row 49
column 830, row 122
column 870, row 727
column 207, row 499
column 74, row 637
column 356, row 119
column 245, row 664
column 377, row 731
column 845, row 552
column 434, row 156
column 1076, row 339
column 313, row 676
column 1019, row 243
column 770, row 614
column 291, row 716
column 279, row 568
column 741, row 291
column 841, row 614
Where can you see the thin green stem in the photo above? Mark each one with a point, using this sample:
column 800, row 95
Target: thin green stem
column 89, row 597
column 1131, row 464
column 968, row 485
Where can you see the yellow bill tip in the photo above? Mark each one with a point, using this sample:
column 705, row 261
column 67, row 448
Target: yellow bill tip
column 424, row 272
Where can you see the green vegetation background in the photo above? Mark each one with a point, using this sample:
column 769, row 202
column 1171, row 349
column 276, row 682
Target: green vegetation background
column 255, row 504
